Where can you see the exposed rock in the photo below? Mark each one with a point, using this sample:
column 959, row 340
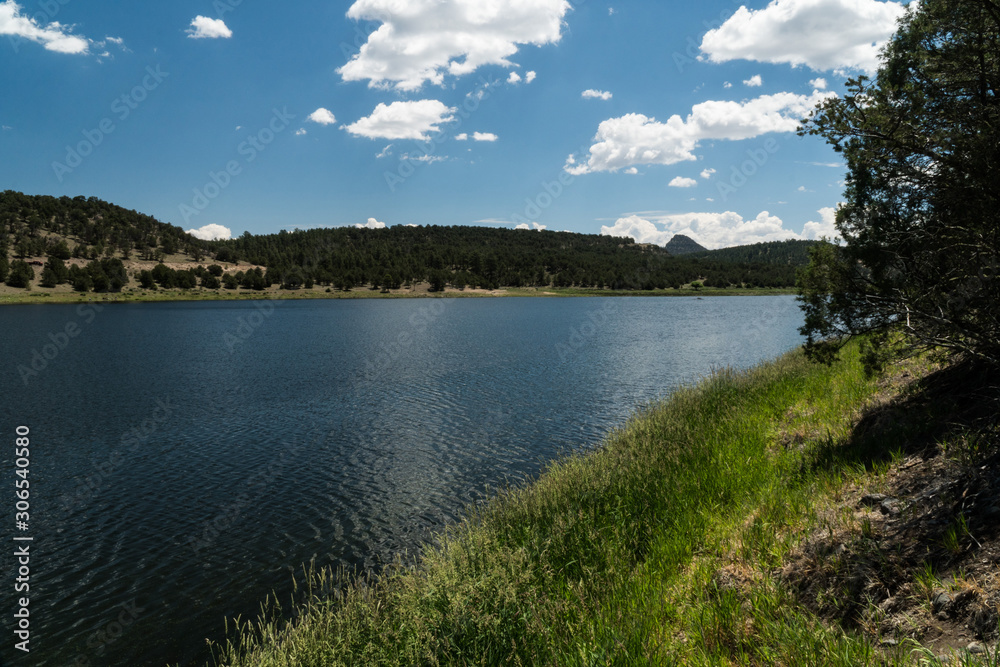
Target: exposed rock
column 940, row 600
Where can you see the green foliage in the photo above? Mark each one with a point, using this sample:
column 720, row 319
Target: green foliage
column 57, row 270
column 20, row 274
column 588, row 565
column 920, row 267
column 96, row 226
column 4, row 264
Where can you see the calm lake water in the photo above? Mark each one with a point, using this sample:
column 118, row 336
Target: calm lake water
column 188, row 458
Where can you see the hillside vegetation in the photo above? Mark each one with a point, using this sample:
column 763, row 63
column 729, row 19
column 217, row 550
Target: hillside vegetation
column 95, row 246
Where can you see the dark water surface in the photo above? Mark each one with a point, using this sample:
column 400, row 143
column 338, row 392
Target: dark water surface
column 187, row 458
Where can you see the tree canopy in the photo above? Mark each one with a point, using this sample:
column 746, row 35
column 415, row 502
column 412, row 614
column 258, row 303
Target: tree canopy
column 919, row 265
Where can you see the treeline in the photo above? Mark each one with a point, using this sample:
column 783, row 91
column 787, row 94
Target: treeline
column 487, row 258
column 790, row 253
column 344, row 258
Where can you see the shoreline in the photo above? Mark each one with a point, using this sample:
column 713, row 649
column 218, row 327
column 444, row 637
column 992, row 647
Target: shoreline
column 64, row 297
column 721, row 522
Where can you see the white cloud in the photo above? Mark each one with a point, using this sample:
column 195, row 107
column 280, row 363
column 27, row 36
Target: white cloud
column 371, row 224
column 203, row 27
column 514, row 78
column 818, row 84
column 640, row 229
column 523, row 225
column 537, row 226
column 636, row 139
column 825, row 227
column 322, row 116
column 834, row 35
column 423, row 40
column 592, row 94
column 211, row 233
column 611, row 11
column 385, row 152
column 530, row 76
column 707, row 173
column 632, row 170
column 727, row 85
column 403, row 120
column 461, row 137
column 300, row 132
column 426, row 158
column 681, row 182
column 753, row 82
column 53, row 36
column 712, row 230
column 484, row 136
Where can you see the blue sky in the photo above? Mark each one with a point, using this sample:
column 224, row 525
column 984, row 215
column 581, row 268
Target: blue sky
column 641, row 118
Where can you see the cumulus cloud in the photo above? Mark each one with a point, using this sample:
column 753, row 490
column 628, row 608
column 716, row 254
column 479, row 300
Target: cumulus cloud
column 592, row 94
column 707, row 173
column 461, row 137
column 422, row 41
column 514, row 78
column 640, row 229
column 523, row 225
column 818, row 84
column 837, row 35
column 681, row 182
column 385, row 152
column 322, row 116
column 754, row 82
column 371, row 224
column 403, row 120
column 636, row 139
column 712, row 230
column 530, row 76
column 211, row 233
column 632, row 170
column 53, row 36
column 203, row 27
column 300, row 132
column 484, row 136
column 825, row 227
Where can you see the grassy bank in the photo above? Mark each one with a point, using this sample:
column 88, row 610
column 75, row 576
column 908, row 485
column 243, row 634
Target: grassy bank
column 62, row 294
column 665, row 546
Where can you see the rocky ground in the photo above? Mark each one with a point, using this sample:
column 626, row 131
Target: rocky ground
column 914, row 553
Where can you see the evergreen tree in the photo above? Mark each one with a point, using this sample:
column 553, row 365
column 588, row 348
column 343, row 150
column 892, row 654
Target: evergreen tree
column 20, row 274
column 920, row 268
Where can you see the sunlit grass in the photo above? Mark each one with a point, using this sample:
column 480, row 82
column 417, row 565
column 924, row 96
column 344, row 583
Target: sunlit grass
column 658, row 548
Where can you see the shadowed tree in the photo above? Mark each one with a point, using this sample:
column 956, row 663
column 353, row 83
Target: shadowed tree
column 919, row 267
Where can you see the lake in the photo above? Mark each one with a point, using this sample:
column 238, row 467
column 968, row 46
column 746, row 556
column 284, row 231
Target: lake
column 188, row 458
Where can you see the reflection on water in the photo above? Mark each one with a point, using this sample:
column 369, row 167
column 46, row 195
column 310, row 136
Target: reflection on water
column 188, row 458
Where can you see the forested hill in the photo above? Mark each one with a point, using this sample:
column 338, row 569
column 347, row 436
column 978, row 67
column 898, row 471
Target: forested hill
column 790, row 253
column 683, row 245
column 29, row 222
column 64, row 228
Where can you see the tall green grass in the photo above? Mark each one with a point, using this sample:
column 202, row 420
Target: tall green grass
column 613, row 557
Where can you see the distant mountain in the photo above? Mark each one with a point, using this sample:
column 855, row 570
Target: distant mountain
column 684, row 245
column 788, row 253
